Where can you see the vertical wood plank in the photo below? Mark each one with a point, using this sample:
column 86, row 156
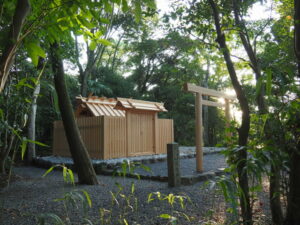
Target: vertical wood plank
column 198, row 131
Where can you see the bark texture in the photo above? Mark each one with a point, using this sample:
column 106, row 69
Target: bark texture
column 7, row 58
column 243, row 131
column 82, row 162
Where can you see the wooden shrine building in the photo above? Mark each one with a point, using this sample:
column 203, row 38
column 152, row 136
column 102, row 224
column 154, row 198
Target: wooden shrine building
column 115, row 128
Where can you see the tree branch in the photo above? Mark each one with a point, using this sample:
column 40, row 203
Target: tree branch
column 21, row 12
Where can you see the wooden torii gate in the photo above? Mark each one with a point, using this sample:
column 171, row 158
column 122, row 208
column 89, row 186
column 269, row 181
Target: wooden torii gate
column 198, row 115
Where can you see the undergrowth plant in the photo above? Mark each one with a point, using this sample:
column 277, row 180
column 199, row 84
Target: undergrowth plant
column 257, row 167
column 124, row 201
column 74, row 199
column 172, row 199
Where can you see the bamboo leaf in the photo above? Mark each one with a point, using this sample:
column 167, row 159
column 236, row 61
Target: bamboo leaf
column 165, row 216
column 65, row 173
column 150, row 197
column 23, row 147
column 34, row 51
column 88, row 199
column 71, row 176
column 104, row 42
column 87, row 221
column 37, row 143
column 54, row 218
column 93, row 45
column 48, row 171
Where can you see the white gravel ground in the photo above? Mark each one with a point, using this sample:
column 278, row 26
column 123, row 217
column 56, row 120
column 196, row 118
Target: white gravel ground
column 32, row 195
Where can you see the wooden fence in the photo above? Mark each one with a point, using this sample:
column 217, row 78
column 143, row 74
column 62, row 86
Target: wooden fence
column 115, row 137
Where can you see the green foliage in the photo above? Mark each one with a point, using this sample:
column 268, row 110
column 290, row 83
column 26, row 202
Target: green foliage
column 171, row 199
column 53, row 218
column 129, row 168
column 67, row 173
column 105, row 82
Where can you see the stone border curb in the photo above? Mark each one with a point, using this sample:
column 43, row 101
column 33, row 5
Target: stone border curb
column 110, row 167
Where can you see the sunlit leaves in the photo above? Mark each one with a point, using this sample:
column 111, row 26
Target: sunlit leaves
column 34, row 51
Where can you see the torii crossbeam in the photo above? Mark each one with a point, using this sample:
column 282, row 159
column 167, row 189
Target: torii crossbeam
column 199, row 91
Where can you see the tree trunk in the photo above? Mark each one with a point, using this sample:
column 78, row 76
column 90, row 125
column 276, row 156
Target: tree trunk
column 82, row 162
column 84, row 73
column 115, row 53
column 297, row 33
column 243, row 131
column 31, row 127
column 5, row 153
column 293, row 207
column 275, row 203
column 7, row 58
column 205, row 108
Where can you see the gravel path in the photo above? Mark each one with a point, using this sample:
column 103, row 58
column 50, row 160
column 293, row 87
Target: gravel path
column 32, row 195
column 211, row 162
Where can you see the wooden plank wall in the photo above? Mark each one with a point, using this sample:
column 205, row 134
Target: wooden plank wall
column 60, row 144
column 90, row 129
column 140, row 133
column 165, row 135
column 121, row 137
column 115, row 141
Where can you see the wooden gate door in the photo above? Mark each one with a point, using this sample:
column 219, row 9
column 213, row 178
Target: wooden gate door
column 140, row 133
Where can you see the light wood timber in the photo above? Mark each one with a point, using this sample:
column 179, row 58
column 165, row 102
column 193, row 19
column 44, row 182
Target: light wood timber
column 205, row 91
column 109, row 137
column 199, row 91
column 211, row 103
column 198, row 132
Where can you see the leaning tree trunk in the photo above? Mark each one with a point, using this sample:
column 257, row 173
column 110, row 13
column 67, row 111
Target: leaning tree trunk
column 82, row 162
column 7, row 58
column 243, row 131
column 293, row 208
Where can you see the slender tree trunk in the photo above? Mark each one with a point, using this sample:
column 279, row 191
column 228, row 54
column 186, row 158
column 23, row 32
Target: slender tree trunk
column 115, row 53
column 31, row 154
column 31, row 127
column 297, row 33
column 5, row 153
column 7, row 58
column 84, row 73
column 243, row 131
column 293, row 207
column 275, row 203
column 205, row 107
column 82, row 162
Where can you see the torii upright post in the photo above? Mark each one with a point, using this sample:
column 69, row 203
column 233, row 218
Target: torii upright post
column 199, row 91
column 199, row 132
